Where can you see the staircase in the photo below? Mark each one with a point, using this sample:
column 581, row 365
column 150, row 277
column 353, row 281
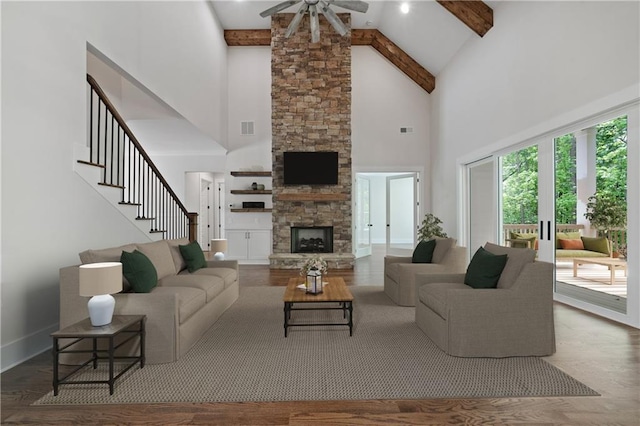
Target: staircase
column 120, row 169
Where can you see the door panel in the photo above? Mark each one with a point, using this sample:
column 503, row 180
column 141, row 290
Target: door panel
column 402, row 207
column 363, row 216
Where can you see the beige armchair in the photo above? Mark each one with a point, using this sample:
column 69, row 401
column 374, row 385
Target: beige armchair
column 399, row 272
column 514, row 319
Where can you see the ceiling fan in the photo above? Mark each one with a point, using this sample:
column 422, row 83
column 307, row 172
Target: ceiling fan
column 312, row 7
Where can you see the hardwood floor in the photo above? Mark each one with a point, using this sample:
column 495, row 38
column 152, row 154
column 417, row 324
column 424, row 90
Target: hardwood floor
column 602, row 354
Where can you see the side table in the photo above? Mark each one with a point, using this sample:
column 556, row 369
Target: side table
column 121, row 324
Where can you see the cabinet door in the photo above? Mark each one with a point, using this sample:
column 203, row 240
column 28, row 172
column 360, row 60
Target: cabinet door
column 259, row 245
column 236, row 244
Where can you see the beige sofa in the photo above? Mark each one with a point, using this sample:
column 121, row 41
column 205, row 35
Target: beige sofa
column 514, row 319
column 399, row 272
column 179, row 310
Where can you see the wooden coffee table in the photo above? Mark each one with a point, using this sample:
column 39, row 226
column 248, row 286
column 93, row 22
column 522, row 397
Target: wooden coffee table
column 334, row 292
column 611, row 262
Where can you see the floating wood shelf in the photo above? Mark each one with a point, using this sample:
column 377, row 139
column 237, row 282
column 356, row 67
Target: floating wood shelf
column 268, row 210
column 251, row 191
column 250, row 173
column 312, row 197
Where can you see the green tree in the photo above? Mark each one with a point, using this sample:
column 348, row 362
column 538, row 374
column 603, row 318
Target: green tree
column 520, row 186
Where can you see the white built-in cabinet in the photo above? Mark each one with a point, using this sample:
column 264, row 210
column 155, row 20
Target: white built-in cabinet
column 249, row 245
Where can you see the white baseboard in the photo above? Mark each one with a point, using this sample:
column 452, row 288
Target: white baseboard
column 27, row 347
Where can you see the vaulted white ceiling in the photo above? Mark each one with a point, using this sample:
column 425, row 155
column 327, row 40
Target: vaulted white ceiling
column 429, row 33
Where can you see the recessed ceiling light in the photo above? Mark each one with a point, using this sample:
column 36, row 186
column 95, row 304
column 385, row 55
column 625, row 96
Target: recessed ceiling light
column 404, row 8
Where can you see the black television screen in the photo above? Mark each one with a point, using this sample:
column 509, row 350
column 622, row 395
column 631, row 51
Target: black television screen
column 310, row 168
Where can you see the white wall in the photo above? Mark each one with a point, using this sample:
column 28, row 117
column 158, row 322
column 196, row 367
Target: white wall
column 544, row 65
column 383, row 99
column 49, row 214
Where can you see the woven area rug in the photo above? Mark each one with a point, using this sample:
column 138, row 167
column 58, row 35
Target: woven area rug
column 245, row 357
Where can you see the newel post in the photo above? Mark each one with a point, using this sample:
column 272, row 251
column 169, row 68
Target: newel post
column 193, row 226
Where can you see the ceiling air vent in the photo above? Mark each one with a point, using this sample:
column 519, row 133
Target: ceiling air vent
column 246, row 128
column 406, row 129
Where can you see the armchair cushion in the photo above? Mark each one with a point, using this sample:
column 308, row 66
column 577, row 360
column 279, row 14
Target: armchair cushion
column 484, row 269
column 516, row 259
column 423, row 253
column 443, row 245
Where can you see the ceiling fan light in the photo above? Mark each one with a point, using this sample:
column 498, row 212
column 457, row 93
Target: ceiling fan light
column 404, row 8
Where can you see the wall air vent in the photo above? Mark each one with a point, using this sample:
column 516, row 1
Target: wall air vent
column 406, row 129
column 246, row 128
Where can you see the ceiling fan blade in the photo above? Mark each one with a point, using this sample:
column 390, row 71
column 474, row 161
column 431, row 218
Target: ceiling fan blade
column 357, row 5
column 333, row 19
column 293, row 26
column 277, row 8
column 315, row 24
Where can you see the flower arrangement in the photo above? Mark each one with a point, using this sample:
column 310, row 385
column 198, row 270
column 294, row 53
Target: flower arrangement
column 314, row 263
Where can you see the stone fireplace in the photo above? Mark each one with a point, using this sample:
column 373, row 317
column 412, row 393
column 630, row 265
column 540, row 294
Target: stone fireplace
column 311, row 111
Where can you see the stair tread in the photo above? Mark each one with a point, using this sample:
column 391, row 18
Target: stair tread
column 124, row 203
column 145, row 218
column 110, row 185
column 89, row 163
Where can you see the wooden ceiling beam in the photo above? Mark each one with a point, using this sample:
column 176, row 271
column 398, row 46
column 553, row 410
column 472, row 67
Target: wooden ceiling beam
column 247, row 37
column 373, row 38
column 475, row 14
column 396, row 56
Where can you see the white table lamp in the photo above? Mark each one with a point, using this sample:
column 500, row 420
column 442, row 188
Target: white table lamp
column 218, row 246
column 100, row 280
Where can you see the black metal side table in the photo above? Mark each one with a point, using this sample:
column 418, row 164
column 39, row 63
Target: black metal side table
column 121, row 324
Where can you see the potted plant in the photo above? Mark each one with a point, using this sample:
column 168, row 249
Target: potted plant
column 606, row 212
column 430, row 228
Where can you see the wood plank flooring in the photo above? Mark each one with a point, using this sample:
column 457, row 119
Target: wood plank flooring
column 600, row 353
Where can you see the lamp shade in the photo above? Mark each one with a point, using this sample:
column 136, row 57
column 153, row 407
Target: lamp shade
column 100, row 278
column 218, row 245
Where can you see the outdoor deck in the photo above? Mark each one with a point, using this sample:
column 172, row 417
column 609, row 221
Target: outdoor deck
column 593, row 277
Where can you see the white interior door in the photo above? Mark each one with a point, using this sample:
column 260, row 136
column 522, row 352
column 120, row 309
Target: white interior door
column 363, row 223
column 481, row 204
column 402, row 212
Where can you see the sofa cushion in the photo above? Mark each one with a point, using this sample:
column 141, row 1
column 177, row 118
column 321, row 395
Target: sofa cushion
column 434, row 296
column 484, row 269
column 159, row 254
column 108, row 255
column 423, row 253
column 228, row 275
column 570, row 254
column 193, row 256
column 598, row 244
column 566, row 236
column 105, row 255
column 212, row 286
column 443, row 245
column 139, row 271
column 174, row 248
column 516, row 259
column 190, row 300
column 571, row 244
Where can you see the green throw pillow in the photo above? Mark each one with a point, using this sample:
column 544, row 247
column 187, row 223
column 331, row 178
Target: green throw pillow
column 139, row 271
column 525, row 238
column 485, row 269
column 193, row 256
column 423, row 252
column 599, row 244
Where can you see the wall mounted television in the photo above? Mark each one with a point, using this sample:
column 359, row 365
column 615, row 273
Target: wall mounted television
column 310, row 168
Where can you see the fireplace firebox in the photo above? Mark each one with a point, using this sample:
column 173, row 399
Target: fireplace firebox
column 312, row 239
